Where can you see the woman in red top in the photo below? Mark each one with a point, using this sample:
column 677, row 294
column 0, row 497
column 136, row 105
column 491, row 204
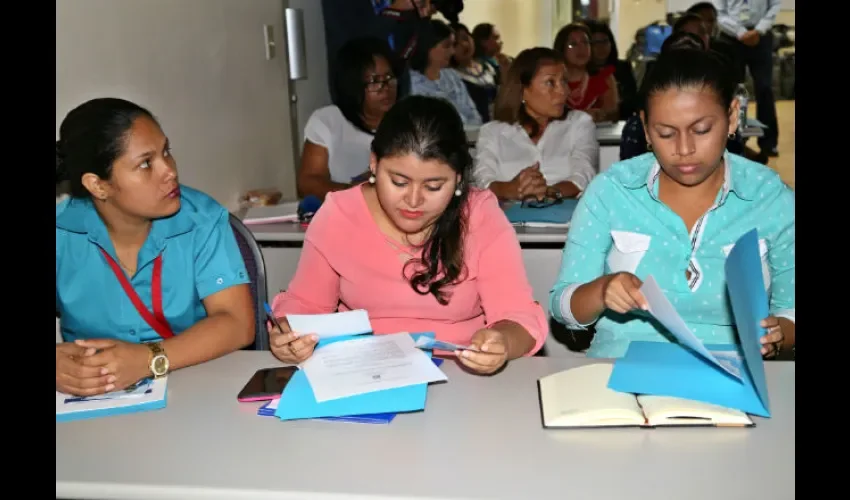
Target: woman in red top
column 593, row 90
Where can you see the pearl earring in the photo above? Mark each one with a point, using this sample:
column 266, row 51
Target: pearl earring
column 458, row 192
column 372, row 179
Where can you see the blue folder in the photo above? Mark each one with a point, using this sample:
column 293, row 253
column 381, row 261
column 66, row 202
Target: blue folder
column 559, row 213
column 671, row 369
column 369, row 418
column 122, row 407
column 298, row 401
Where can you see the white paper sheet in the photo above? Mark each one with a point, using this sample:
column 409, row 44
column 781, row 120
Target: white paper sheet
column 666, row 314
column 331, row 325
column 368, row 364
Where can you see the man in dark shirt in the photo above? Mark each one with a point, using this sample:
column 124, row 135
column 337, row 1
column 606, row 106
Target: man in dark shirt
column 402, row 23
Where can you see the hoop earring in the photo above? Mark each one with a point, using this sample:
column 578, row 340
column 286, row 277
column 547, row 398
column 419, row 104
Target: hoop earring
column 649, row 146
column 731, row 136
column 372, row 179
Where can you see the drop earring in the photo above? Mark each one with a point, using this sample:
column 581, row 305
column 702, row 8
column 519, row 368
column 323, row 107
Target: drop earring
column 372, row 179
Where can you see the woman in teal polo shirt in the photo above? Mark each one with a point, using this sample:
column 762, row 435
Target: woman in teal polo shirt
column 148, row 274
column 675, row 213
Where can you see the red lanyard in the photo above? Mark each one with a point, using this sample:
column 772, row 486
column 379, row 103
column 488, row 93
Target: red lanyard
column 156, row 320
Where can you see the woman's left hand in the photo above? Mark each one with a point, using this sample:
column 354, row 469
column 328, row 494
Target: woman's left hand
column 127, row 362
column 493, row 355
column 771, row 343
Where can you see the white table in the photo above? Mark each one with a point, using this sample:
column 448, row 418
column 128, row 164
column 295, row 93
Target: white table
column 481, row 435
column 541, row 253
column 609, row 144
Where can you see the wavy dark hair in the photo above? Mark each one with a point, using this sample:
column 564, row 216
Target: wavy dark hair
column 91, row 137
column 431, row 129
column 354, row 59
column 604, row 28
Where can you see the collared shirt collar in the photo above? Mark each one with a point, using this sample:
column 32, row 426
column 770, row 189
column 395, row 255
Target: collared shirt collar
column 643, row 172
column 78, row 215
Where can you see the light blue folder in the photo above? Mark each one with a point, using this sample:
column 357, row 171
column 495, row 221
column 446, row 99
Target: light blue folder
column 671, row 369
column 107, row 412
column 96, row 409
column 559, row 213
column 298, row 401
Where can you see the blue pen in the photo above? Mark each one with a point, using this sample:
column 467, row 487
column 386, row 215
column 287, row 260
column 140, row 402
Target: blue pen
column 270, row 314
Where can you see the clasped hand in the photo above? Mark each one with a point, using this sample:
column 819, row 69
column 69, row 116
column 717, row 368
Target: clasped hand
column 530, row 182
column 622, row 295
column 97, row 366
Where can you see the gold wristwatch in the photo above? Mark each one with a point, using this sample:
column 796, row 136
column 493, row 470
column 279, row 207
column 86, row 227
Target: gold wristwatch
column 158, row 361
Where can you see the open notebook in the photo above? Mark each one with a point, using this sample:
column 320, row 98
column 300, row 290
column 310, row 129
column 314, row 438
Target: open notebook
column 580, row 397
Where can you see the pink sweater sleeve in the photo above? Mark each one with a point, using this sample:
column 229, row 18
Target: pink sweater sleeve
column 502, row 281
column 315, row 287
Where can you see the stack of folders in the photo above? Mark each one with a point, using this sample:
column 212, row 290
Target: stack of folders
column 675, row 383
column 146, row 395
column 355, row 376
column 552, row 214
column 269, row 409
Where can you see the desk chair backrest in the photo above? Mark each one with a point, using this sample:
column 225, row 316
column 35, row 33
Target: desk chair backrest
column 256, row 267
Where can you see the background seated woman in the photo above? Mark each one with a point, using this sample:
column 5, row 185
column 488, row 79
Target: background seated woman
column 589, row 88
column 675, row 214
column 536, row 146
column 417, row 248
column 430, row 74
column 337, row 137
column 131, row 238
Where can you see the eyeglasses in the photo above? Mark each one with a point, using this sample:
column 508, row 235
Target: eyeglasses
column 377, row 84
column 552, row 197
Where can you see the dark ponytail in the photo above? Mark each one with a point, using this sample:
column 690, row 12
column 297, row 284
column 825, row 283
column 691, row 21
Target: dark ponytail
column 61, row 173
column 92, row 136
column 431, row 129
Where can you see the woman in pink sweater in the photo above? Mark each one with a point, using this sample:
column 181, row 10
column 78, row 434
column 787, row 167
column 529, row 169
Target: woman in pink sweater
column 417, row 248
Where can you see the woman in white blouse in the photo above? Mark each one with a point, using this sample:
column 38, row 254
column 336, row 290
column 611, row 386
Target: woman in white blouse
column 338, row 138
column 536, row 147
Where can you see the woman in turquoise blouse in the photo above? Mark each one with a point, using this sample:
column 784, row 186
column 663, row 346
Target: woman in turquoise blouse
column 675, row 213
column 148, row 274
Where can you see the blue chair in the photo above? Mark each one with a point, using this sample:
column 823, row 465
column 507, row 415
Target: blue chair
column 256, row 267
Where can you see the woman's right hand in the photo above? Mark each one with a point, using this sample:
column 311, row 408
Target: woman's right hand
column 290, row 347
column 622, row 293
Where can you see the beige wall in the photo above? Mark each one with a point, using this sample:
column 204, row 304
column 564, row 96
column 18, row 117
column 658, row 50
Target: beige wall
column 633, row 15
column 786, row 17
column 518, row 21
column 200, row 66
